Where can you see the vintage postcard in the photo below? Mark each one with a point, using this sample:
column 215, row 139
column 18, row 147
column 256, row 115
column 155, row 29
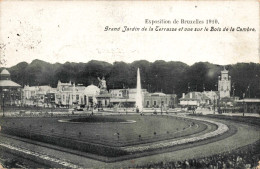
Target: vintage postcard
column 129, row 84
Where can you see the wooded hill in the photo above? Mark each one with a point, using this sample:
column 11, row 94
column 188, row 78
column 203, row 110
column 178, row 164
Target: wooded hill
column 168, row 77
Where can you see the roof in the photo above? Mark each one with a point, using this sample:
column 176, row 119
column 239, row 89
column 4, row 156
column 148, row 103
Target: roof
column 211, row 92
column 65, row 84
column 204, row 97
column 248, row 100
column 5, row 72
column 158, row 94
column 39, row 88
column 195, row 96
column 8, row 83
column 45, row 88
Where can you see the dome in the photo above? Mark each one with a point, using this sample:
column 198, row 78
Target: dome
column 92, row 90
column 158, row 94
column 5, row 72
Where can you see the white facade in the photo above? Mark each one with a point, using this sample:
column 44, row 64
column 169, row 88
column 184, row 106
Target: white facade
column 37, row 93
column 70, row 94
column 190, row 102
column 29, row 92
column 194, row 99
column 159, row 99
column 121, row 93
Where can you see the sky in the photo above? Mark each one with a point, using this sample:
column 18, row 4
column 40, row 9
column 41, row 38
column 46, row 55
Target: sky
column 73, row 31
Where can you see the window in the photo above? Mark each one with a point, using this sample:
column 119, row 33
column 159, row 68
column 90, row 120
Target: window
column 147, row 103
column 77, row 97
column 154, row 103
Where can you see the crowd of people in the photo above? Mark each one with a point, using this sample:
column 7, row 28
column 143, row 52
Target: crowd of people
column 244, row 157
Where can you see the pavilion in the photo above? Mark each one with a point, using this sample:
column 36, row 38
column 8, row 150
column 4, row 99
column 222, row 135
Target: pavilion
column 9, row 90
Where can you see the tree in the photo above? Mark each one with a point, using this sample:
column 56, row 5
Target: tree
column 168, row 77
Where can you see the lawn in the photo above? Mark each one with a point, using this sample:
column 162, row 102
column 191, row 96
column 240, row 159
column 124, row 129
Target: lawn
column 100, row 133
column 149, row 128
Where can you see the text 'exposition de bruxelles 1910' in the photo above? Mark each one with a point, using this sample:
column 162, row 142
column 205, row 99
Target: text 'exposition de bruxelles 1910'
column 180, row 21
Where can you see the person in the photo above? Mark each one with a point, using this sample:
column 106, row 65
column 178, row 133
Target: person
column 137, row 109
column 92, row 110
column 155, row 112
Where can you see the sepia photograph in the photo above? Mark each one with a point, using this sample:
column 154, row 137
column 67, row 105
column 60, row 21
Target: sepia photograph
column 129, row 84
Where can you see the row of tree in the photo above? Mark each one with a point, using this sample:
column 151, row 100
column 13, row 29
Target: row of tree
column 158, row 76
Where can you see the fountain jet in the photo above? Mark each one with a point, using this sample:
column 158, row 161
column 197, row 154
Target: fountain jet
column 138, row 100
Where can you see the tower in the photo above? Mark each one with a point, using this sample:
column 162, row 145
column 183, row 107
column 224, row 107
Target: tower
column 224, row 84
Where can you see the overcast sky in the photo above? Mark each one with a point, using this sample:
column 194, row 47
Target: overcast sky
column 74, row 31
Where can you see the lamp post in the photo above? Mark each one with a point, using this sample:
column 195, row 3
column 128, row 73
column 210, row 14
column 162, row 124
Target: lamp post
column 233, row 86
column 68, row 100
column 126, row 106
column 214, row 104
column 11, row 99
column 46, row 100
column 258, row 84
column 156, row 82
column 218, row 104
column 249, row 91
column 244, row 104
column 161, row 106
column 244, row 107
column 126, row 103
column 92, row 111
column 3, row 96
column 51, row 102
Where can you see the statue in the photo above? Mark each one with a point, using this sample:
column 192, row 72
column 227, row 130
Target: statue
column 102, row 84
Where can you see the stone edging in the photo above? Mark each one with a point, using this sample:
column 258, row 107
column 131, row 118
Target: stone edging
column 222, row 128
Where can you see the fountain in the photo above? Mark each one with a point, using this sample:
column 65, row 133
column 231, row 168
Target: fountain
column 138, row 99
